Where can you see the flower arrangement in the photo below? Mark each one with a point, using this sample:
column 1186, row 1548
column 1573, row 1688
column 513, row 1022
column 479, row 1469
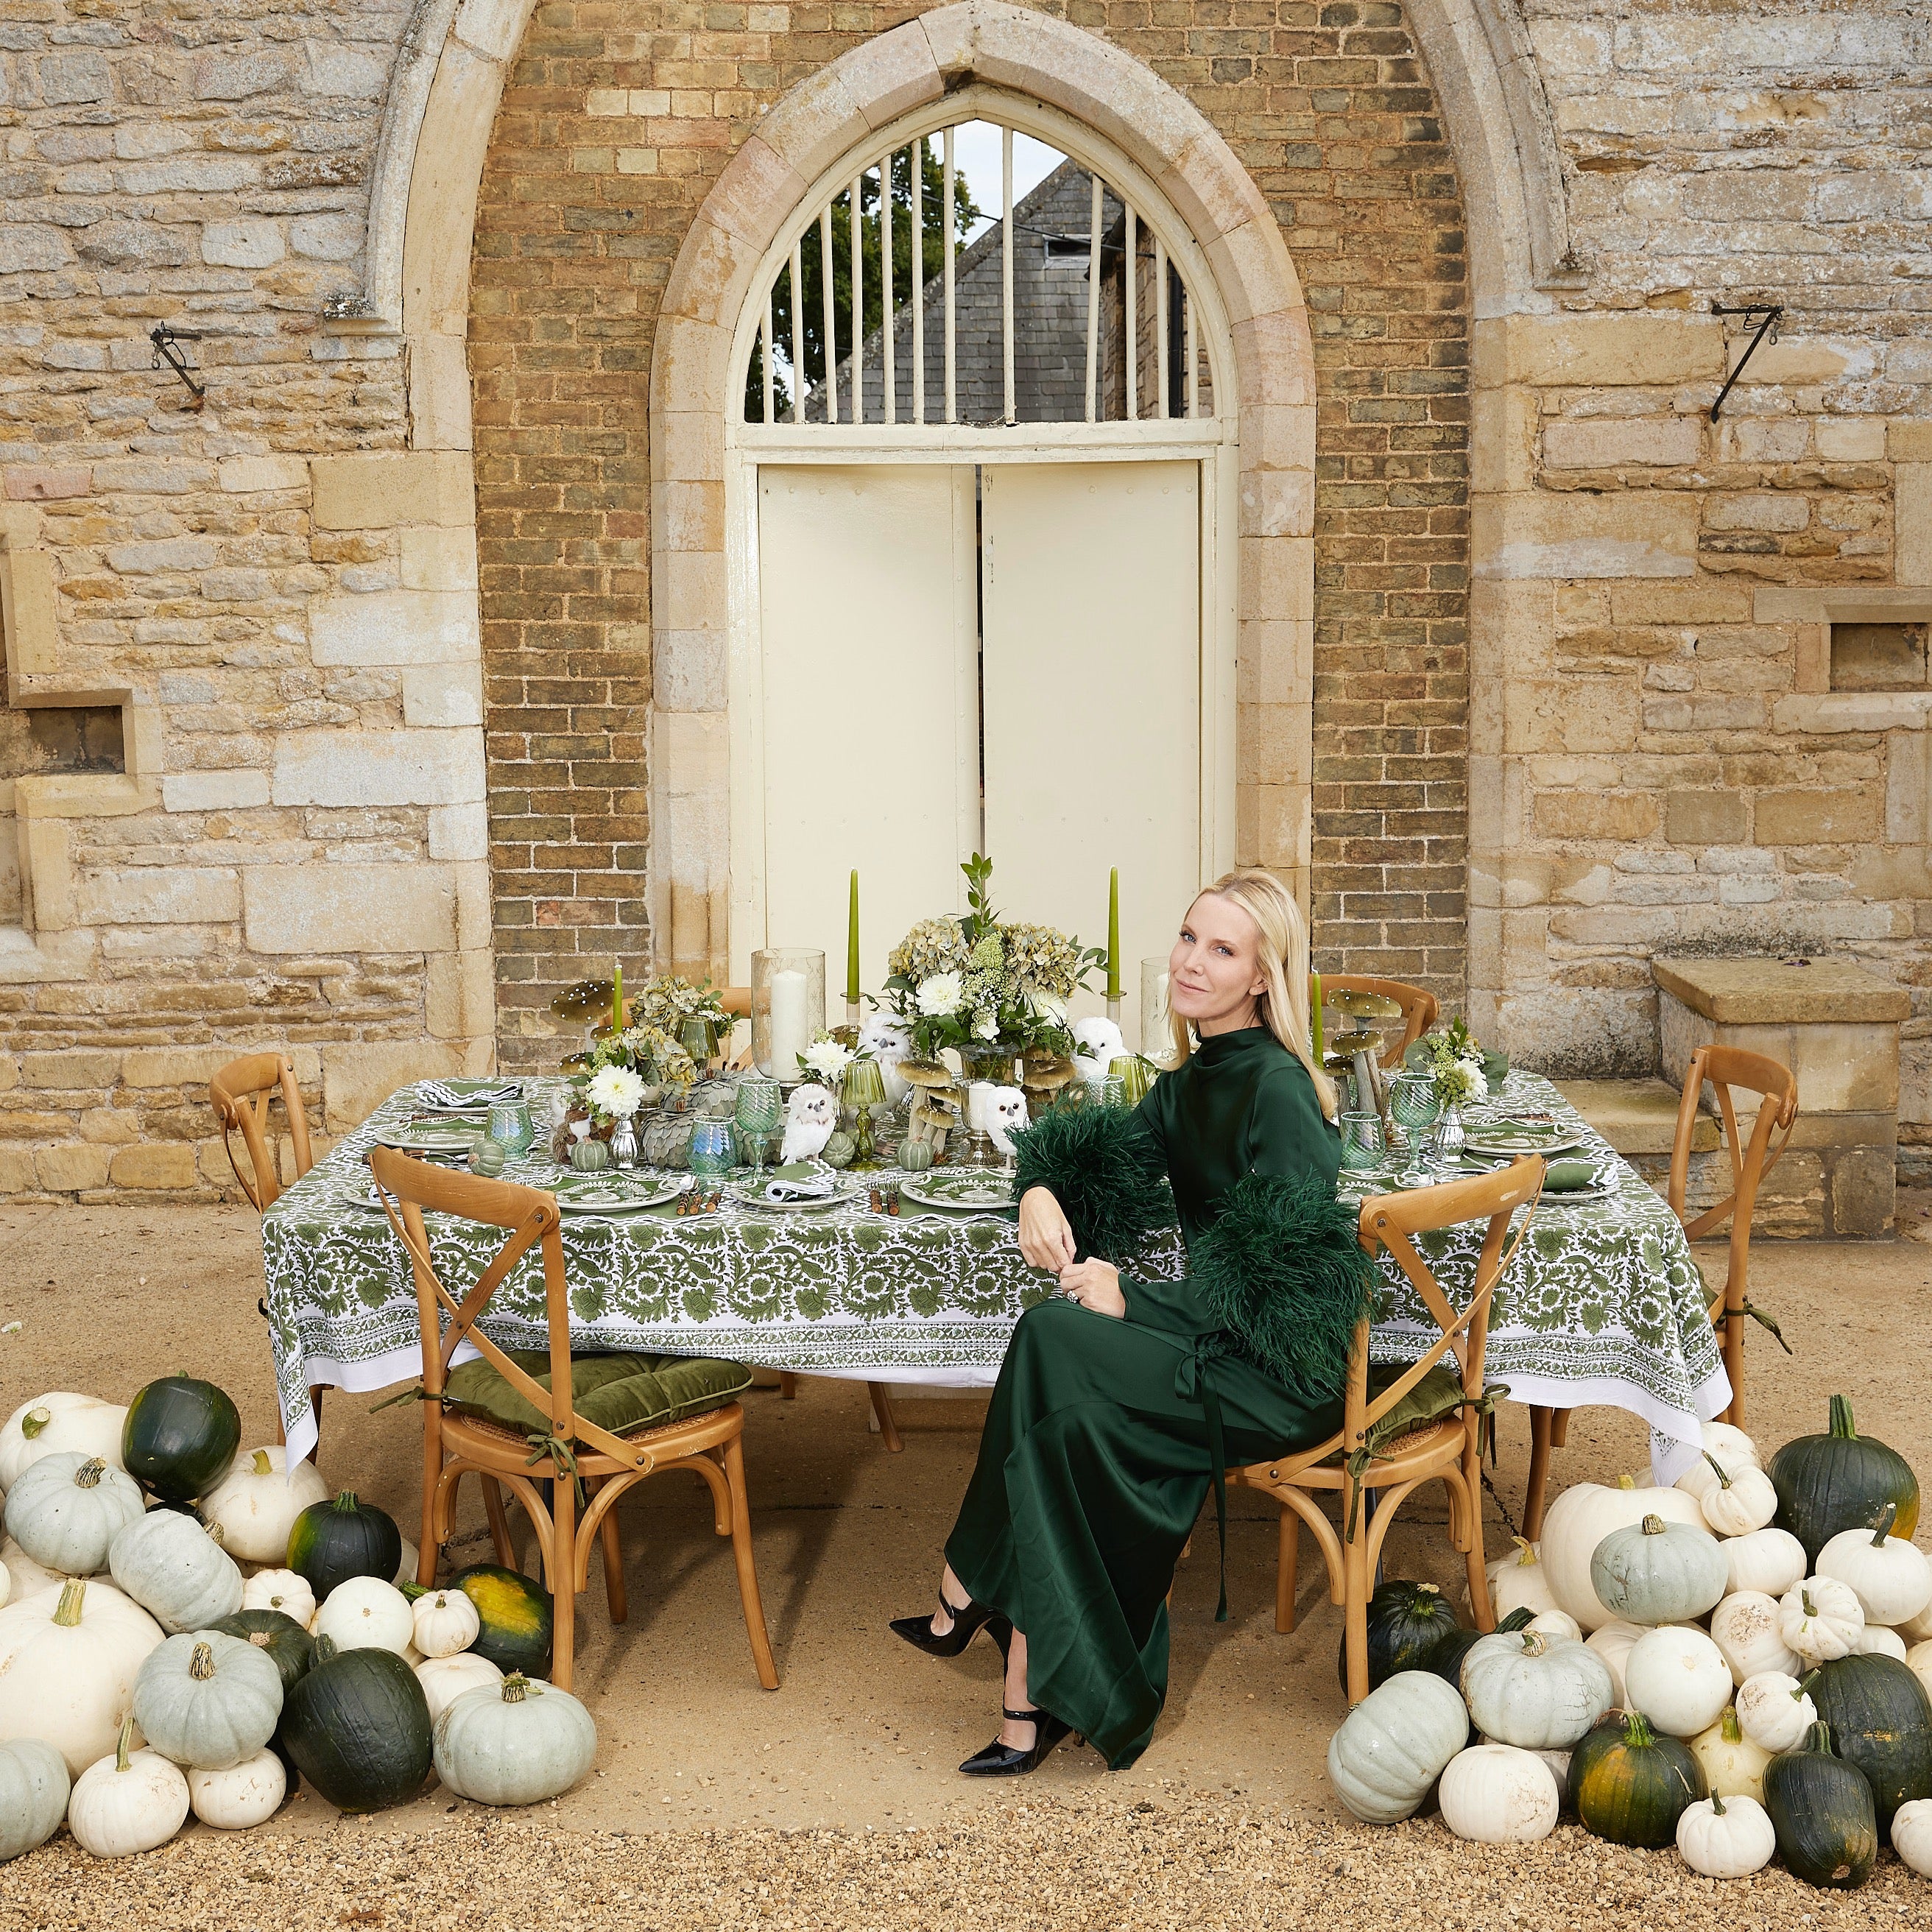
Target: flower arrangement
column 615, row 1093
column 646, row 1054
column 826, row 1059
column 970, row 981
column 667, row 1002
column 1453, row 1058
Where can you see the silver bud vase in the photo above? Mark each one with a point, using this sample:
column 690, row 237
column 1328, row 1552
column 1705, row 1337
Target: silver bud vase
column 624, row 1144
column 1448, row 1140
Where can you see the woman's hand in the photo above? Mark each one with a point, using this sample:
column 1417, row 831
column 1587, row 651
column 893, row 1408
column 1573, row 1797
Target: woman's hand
column 1046, row 1240
column 1094, row 1284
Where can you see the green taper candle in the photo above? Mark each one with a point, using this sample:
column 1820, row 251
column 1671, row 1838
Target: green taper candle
column 617, row 998
column 1114, row 934
column 1314, row 1012
column 852, row 948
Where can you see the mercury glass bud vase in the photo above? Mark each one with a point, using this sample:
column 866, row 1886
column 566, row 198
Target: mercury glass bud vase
column 624, row 1144
column 1448, row 1140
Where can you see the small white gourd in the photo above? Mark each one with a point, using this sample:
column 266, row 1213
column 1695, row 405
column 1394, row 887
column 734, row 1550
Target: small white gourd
column 446, row 1621
column 1878, row 1640
column 1535, row 1692
column 1392, row 1747
column 1775, row 1712
column 1889, row 1576
column 130, row 1802
column 444, row 1679
column 365, row 1613
column 1678, row 1679
column 281, row 1590
column 1733, row 1766
column 208, row 1699
column 1731, row 1445
column 241, row 1796
column 1556, row 1623
column 1498, row 1794
column 1519, row 1581
column 66, row 1509
column 34, row 1785
column 1770, row 1560
column 1819, row 1618
column 1724, row 1837
column 1912, row 1835
column 255, row 1505
column 28, row 1578
column 59, row 1421
column 1914, row 1630
column 1735, row 1500
column 1746, row 1628
column 521, row 1743
column 175, row 1570
column 68, row 1660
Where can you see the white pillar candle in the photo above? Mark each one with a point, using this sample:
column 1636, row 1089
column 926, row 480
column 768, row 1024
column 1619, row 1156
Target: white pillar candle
column 1156, row 1042
column 791, row 1029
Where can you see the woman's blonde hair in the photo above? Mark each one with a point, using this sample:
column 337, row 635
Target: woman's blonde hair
column 1283, row 960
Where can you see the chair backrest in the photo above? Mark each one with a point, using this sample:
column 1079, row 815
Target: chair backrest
column 529, row 1217
column 1726, row 1067
column 737, row 1000
column 1419, row 1007
column 240, row 1094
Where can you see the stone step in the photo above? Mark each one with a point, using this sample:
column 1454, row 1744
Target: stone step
column 1636, row 1116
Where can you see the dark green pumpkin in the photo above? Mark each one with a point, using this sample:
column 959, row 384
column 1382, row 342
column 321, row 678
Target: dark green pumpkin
column 1881, row 1723
column 517, row 1618
column 290, row 1648
column 179, row 1438
column 1406, row 1621
column 1630, row 1786
column 331, row 1542
column 357, row 1725
column 1821, row 1808
column 1840, row 1481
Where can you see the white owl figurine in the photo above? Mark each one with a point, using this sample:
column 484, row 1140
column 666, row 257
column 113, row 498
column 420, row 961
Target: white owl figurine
column 1005, row 1115
column 889, row 1041
column 810, row 1115
column 1097, row 1043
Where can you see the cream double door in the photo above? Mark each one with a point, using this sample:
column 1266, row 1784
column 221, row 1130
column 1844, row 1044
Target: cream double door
column 1005, row 659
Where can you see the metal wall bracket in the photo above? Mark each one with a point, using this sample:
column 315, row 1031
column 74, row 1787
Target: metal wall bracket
column 1770, row 311
column 167, row 349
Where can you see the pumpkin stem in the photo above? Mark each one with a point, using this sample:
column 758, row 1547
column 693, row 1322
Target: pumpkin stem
column 1841, row 1419
column 261, row 1639
column 1626, row 1480
column 90, row 1473
column 1527, row 1552
column 201, row 1665
column 1637, row 1734
column 1653, row 1525
column 1731, row 1733
column 1533, row 1645
column 263, row 1465
column 124, row 1743
column 1805, row 1683
column 74, row 1595
column 413, row 1591
column 325, row 1648
column 346, row 1502
column 34, row 1421
column 1805, row 1597
column 1716, row 1804
column 1719, row 1467
column 515, row 1687
column 1882, row 1528
column 1818, row 1739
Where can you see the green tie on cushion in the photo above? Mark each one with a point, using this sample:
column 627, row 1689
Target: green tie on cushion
column 1438, row 1396
column 622, row 1394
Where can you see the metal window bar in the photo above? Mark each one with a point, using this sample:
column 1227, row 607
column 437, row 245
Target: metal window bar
column 1159, row 293
column 917, row 157
column 797, row 356
column 1193, row 373
column 766, row 334
column 1006, row 265
column 1093, row 307
column 1130, row 275
column 858, row 307
column 947, row 223
column 886, row 285
column 829, row 303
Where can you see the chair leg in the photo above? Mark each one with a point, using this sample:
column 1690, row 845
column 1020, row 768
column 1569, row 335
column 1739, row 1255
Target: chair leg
column 1541, row 1420
column 1287, row 1556
column 614, row 1593
column 1355, row 1614
column 748, row 1574
column 882, row 1407
column 499, row 1522
column 563, row 1580
column 787, row 1386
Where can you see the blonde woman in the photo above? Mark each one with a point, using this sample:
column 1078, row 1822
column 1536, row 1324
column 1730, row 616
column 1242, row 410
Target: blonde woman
column 1121, row 1401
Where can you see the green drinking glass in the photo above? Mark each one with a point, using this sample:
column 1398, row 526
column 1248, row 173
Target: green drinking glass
column 1412, row 1101
column 1362, row 1144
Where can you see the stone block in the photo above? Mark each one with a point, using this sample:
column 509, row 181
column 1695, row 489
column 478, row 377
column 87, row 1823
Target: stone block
column 252, row 476
column 1706, row 818
column 1599, row 351
column 394, row 627
column 68, row 1166
column 438, row 559
column 1820, row 817
column 320, row 908
column 460, row 995
column 1595, row 814
column 357, row 1076
column 1637, row 1116
column 1733, row 992
column 214, row 791
column 381, row 491
column 1911, row 511
column 70, row 1070
column 1908, row 442
column 1606, row 443
column 1759, row 510
column 1565, row 534
column 151, row 1066
column 159, row 1164
column 459, row 832
column 439, row 414
column 42, row 483
column 1864, row 1191
column 159, row 895
column 405, row 767
column 442, row 695
column 243, row 244
column 16, row 1171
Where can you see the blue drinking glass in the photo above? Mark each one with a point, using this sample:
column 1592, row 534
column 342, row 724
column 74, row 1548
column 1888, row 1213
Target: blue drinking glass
column 714, row 1149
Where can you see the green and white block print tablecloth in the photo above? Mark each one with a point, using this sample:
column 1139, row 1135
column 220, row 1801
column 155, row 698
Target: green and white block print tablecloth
column 1604, row 1304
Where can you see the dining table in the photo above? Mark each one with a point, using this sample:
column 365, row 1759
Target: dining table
column 1603, row 1304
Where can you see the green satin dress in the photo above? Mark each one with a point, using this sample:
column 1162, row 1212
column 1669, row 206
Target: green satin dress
column 1096, row 1457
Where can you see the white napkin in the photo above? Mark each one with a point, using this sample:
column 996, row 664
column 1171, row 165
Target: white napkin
column 434, row 1094
column 802, row 1180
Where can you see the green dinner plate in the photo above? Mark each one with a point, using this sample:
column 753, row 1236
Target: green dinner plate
column 428, row 1137
column 970, row 1193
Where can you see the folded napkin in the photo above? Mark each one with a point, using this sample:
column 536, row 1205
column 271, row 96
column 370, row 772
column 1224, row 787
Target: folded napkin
column 434, row 1094
column 1565, row 1177
column 801, row 1181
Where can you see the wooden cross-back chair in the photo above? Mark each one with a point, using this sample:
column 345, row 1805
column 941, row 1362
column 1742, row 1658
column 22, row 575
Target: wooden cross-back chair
column 240, row 1094
column 1363, row 1457
column 708, row 1445
column 1419, row 1007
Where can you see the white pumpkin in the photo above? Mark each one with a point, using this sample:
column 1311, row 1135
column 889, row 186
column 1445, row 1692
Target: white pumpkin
column 34, row 1785
column 170, row 1565
column 1535, row 1692
column 208, row 1699
column 1678, row 1679
column 66, row 1508
column 281, row 1590
column 406, row 1570
column 1726, row 1836
column 1878, row 1640
column 59, row 1420
column 521, row 1743
column 6, row 1586
column 1889, row 1576
column 129, row 1802
column 365, row 1613
column 1918, row 1660
column 1659, row 1573
column 68, row 1660
column 1820, row 1618
column 1733, row 1766
column 1497, row 1794
column 1775, row 1712
column 241, row 1796
column 444, row 1679
column 255, row 1505
column 1556, row 1623
column 1914, row 1630
column 1735, row 1500
column 1519, row 1581
column 1580, row 1518
column 1386, row 1752
column 1612, row 1642
column 1912, row 1835
column 446, row 1621
column 29, row 1578
column 1730, row 1445
column 1746, row 1628
column 1770, row 1560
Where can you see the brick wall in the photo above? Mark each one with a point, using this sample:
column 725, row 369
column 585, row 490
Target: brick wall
column 612, row 129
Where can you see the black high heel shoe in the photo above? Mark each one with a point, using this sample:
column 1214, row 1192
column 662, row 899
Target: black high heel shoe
column 966, row 1624
column 999, row 1760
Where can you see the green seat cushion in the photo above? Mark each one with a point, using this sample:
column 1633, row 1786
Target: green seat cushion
column 1438, row 1396
column 622, row 1393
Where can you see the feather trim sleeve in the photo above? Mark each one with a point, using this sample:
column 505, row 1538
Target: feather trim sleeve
column 1283, row 1269
column 1101, row 1165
